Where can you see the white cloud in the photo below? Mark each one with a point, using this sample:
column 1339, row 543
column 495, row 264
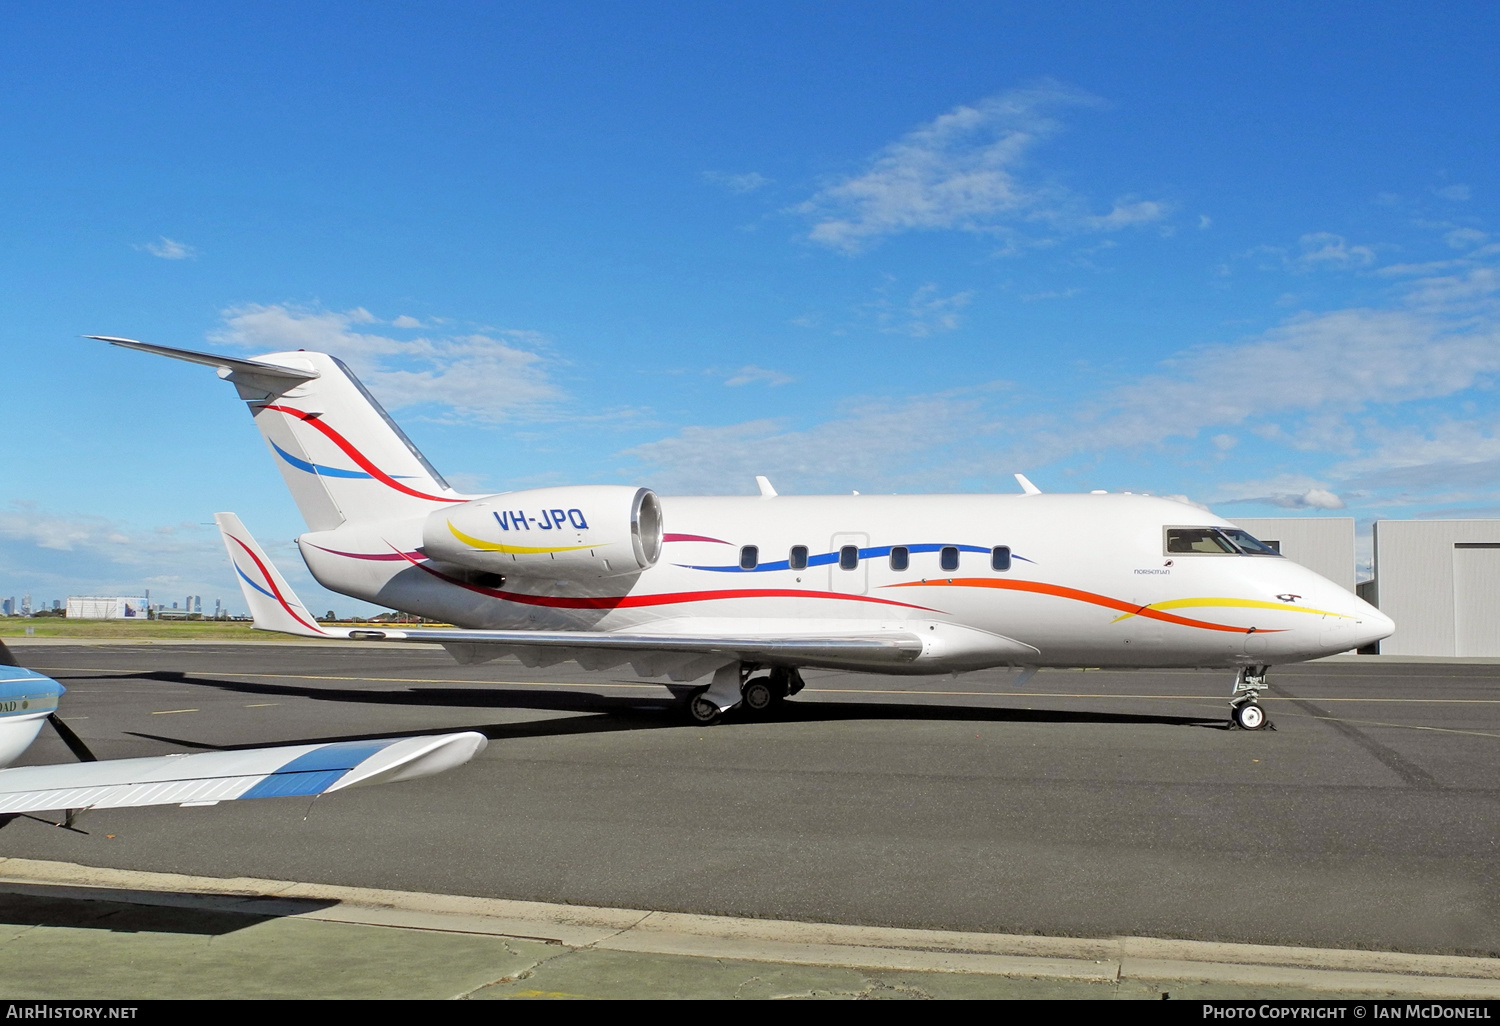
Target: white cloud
column 924, row 313
column 1463, row 238
column 1032, row 297
column 490, row 377
column 169, row 249
column 1288, row 491
column 26, row 523
column 739, row 184
column 962, row 171
column 59, row 554
column 892, row 443
column 751, row 374
column 406, row 322
column 1318, row 383
column 1454, row 192
column 1326, row 250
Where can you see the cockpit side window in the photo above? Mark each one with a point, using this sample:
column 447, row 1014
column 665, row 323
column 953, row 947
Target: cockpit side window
column 1248, row 543
column 1200, row 540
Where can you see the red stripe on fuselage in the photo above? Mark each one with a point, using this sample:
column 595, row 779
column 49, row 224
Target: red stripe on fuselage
column 1058, row 591
column 638, row 601
column 354, row 454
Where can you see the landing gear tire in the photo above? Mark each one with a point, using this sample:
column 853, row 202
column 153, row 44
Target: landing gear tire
column 1249, row 716
column 701, row 711
column 759, row 694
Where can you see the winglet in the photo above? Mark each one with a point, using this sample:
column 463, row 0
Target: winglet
column 1027, row 486
column 272, row 602
column 765, row 486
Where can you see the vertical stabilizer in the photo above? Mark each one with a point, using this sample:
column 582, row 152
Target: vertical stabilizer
column 343, row 458
column 270, row 599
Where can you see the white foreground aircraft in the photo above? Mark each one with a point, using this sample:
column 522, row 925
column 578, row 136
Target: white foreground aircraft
column 28, row 699
column 750, row 589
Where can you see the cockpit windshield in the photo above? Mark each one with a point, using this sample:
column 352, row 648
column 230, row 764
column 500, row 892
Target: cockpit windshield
column 1215, row 541
column 1249, row 544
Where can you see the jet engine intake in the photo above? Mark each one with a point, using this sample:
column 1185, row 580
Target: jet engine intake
column 580, row 532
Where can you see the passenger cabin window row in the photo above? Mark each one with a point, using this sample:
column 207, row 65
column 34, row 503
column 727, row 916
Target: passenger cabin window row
column 900, row 557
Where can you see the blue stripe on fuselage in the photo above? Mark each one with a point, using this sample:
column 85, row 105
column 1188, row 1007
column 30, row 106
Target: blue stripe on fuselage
column 825, row 558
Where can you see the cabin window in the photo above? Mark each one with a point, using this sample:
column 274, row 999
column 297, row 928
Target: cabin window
column 849, row 557
column 1000, row 558
column 949, row 557
column 1203, row 540
column 798, row 559
column 1251, row 545
column 900, row 557
column 749, row 557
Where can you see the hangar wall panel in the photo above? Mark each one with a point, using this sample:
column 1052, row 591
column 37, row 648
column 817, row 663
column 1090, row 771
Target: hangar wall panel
column 1325, row 545
column 1429, row 585
column 1476, row 600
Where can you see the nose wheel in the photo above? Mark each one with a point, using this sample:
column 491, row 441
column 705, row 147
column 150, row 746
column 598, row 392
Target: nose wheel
column 1250, row 716
column 1244, row 702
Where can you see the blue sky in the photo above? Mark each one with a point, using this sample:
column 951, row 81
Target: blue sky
column 1246, row 255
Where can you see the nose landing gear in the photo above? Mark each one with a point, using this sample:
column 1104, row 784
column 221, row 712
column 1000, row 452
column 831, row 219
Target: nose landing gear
column 1244, row 702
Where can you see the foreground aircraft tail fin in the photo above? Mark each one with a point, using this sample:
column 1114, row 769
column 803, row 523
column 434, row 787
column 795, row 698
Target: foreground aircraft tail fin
column 343, row 458
column 272, row 603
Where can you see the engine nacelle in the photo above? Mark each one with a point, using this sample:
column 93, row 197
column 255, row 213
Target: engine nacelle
column 574, row 533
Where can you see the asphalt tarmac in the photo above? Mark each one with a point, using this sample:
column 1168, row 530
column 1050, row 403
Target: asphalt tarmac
column 1081, row 804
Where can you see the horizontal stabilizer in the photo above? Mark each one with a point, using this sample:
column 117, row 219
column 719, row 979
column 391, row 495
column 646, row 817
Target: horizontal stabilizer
column 225, row 364
column 211, row 777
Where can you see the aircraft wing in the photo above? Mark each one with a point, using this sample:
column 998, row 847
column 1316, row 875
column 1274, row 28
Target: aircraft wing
column 212, row 777
column 684, row 654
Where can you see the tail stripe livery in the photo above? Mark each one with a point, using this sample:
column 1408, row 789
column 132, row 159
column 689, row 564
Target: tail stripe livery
column 316, row 468
column 289, row 614
column 316, row 420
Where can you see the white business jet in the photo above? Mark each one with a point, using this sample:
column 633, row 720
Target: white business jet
column 29, row 699
column 751, row 589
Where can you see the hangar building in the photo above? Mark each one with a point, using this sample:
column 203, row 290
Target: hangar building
column 1440, row 581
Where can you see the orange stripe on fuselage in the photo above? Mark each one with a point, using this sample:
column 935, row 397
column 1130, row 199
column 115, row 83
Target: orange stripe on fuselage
column 1077, row 595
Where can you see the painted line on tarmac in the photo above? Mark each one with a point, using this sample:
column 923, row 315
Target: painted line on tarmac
column 805, row 691
column 1396, row 726
column 1109, row 959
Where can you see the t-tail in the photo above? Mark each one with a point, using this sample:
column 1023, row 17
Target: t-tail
column 343, row 458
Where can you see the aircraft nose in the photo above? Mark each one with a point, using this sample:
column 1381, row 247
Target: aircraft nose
column 1373, row 626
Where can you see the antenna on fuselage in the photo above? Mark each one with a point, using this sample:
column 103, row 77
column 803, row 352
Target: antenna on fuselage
column 1027, row 486
column 764, row 483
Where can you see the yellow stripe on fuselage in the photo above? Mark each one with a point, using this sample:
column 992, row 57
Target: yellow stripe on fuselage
column 514, row 550
column 1235, row 602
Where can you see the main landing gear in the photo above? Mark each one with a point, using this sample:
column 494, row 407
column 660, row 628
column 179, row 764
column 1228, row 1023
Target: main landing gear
column 1244, row 702
column 744, row 686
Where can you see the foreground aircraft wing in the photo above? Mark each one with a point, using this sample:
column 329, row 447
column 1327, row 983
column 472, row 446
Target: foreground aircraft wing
column 275, row 607
column 213, row 777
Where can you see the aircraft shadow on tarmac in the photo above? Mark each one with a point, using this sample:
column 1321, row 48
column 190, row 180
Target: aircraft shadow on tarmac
column 43, row 905
column 613, row 713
